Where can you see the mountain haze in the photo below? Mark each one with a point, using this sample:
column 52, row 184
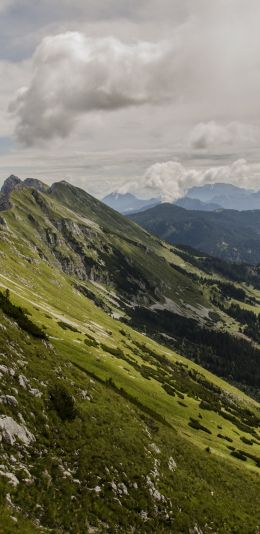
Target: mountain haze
column 227, row 196
column 196, row 204
column 208, row 197
column 227, row 234
column 127, row 203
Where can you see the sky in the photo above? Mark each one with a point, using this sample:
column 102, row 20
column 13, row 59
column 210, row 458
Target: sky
column 146, row 96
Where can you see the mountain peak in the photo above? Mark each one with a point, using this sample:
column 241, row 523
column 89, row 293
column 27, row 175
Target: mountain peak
column 10, row 183
column 36, row 184
column 60, row 185
column 127, row 202
column 13, row 181
column 227, row 195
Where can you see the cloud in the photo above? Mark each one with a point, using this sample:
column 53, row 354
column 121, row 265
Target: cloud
column 207, row 135
column 11, row 75
column 205, row 65
column 204, row 85
column 171, row 180
column 4, row 4
column 74, row 75
column 168, row 180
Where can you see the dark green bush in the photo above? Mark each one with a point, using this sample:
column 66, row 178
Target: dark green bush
column 204, row 405
column 169, row 389
column 19, row 315
column 239, row 455
column 182, row 404
column 63, row 402
column 246, row 440
column 91, row 341
column 67, row 326
column 115, row 351
column 225, row 437
column 194, row 423
column 253, row 457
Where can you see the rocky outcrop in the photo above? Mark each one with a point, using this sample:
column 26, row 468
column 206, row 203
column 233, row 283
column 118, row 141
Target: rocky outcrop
column 36, row 184
column 4, row 202
column 10, row 184
column 10, row 431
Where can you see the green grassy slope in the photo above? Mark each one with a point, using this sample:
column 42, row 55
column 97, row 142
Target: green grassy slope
column 127, row 272
column 126, row 435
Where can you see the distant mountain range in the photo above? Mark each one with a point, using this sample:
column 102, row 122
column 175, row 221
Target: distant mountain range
column 227, row 234
column 209, row 197
column 127, row 203
column 196, row 204
column 226, row 196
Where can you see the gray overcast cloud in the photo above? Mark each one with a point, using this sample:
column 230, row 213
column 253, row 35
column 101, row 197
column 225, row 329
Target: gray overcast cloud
column 150, row 96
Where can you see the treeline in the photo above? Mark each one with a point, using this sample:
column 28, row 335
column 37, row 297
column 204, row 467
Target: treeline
column 19, row 315
column 227, row 289
column 236, row 272
column 247, row 318
column 223, row 292
column 233, row 358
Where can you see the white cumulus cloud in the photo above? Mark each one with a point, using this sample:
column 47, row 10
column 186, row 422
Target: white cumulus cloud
column 74, row 75
column 171, row 180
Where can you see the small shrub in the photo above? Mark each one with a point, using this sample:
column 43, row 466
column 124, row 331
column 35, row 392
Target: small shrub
column 91, row 341
column 246, row 440
column 63, row 402
column 19, row 315
column 67, row 326
column 239, row 455
column 194, row 423
column 115, row 351
column 253, row 457
column 225, row 437
column 204, row 405
column 169, row 389
column 122, row 332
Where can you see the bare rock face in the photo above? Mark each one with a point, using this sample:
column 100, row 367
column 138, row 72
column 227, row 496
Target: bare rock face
column 9, row 399
column 10, row 431
column 10, row 184
column 4, row 202
column 36, row 184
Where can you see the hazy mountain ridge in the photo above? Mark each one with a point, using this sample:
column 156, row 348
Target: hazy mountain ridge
column 227, row 234
column 227, row 196
column 127, row 203
column 208, row 197
column 196, row 204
